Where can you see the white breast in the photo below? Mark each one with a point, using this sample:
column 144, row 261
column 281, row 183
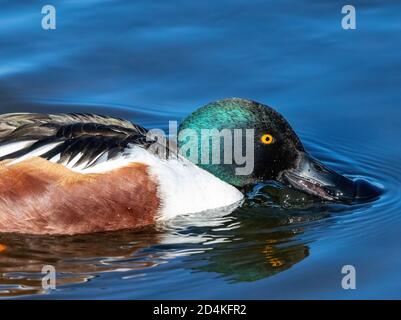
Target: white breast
column 185, row 188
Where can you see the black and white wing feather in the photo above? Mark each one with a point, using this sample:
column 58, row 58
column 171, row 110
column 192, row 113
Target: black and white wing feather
column 69, row 139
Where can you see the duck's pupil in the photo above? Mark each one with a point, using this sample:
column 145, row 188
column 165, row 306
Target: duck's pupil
column 267, row 138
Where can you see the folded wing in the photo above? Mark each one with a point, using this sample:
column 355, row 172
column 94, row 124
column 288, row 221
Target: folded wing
column 74, row 140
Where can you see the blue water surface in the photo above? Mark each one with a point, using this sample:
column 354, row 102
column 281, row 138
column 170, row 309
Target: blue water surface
column 155, row 61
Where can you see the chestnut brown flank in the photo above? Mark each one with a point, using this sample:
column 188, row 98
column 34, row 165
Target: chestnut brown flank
column 40, row 197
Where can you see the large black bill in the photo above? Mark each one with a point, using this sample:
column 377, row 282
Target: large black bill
column 314, row 178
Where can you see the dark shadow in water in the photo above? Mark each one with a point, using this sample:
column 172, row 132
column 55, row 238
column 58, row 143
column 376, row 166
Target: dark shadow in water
column 255, row 250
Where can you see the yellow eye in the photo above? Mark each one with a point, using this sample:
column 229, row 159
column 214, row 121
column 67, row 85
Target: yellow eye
column 267, row 138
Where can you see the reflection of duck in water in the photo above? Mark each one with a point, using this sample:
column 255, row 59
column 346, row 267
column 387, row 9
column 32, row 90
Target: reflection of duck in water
column 70, row 174
column 236, row 247
column 255, row 250
column 76, row 259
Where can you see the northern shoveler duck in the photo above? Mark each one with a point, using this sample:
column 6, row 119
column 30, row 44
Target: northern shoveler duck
column 82, row 173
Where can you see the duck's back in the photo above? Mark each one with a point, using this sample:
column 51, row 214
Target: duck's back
column 80, row 173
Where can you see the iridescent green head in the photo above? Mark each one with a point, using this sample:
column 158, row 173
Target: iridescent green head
column 255, row 136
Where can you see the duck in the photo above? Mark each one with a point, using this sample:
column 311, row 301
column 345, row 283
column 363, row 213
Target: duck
column 67, row 174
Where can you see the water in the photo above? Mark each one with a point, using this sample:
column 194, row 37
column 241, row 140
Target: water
column 151, row 62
